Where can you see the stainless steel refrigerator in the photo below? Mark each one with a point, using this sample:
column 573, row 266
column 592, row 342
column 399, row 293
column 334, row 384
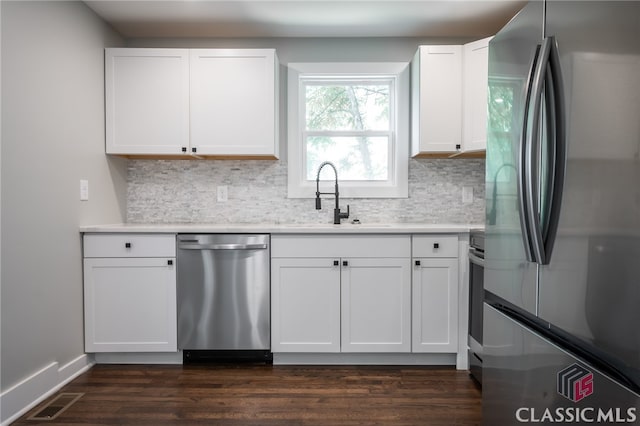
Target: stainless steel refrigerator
column 562, row 247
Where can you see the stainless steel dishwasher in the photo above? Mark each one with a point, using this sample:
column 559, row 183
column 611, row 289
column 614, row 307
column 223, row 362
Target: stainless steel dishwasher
column 224, row 297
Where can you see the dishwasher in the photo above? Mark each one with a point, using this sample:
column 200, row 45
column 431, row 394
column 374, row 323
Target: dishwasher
column 223, row 290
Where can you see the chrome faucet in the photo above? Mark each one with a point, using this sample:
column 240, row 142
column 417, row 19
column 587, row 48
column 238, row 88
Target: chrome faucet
column 336, row 212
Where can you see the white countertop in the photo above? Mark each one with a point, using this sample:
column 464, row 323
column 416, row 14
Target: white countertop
column 318, row 228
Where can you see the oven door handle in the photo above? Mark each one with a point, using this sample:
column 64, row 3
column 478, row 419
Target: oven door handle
column 476, row 260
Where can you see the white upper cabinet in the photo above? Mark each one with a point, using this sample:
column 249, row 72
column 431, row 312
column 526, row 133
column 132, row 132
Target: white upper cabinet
column 233, row 102
column 147, row 101
column 192, row 102
column 449, row 99
column 475, row 74
column 436, row 100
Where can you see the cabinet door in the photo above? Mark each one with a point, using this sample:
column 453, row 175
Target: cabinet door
column 475, row 74
column 436, row 73
column 376, row 305
column 147, row 101
column 233, row 102
column 305, row 305
column 435, row 305
column 130, row 305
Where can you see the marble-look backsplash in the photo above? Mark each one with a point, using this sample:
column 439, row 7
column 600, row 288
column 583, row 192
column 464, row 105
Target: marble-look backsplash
column 180, row 191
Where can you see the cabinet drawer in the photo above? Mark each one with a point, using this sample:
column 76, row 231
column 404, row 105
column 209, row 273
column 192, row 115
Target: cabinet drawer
column 435, row 246
column 129, row 245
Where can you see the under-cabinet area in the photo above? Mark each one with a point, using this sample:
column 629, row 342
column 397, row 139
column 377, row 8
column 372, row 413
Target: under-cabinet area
column 345, row 298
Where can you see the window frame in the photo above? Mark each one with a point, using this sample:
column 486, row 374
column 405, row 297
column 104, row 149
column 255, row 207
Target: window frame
column 396, row 185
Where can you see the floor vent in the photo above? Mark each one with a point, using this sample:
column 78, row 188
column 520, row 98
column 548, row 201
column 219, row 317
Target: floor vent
column 56, row 406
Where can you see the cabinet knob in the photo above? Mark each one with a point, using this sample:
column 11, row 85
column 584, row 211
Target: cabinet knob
column 436, row 245
column 194, row 149
column 336, row 263
column 458, row 147
column 170, row 262
column 417, row 263
column 345, row 263
column 127, row 245
column 184, row 149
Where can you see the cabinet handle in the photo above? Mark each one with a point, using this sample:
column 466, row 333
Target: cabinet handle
column 184, row 149
column 436, row 245
column 169, row 262
column 458, row 147
column 345, row 263
column 417, row 263
column 194, row 149
column 127, row 245
column 336, row 263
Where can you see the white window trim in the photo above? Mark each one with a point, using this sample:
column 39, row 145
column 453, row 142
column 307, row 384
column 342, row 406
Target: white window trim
column 397, row 184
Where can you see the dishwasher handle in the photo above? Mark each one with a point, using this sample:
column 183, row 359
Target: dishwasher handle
column 192, row 246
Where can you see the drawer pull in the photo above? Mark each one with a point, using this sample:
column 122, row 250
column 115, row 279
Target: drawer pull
column 345, row 263
column 184, row 149
column 436, row 245
column 336, row 263
column 417, row 263
column 169, row 262
column 127, row 245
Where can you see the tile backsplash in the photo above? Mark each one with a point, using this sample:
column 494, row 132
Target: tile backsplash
column 180, row 191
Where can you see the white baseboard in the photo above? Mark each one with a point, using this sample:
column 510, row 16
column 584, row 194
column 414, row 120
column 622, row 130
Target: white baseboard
column 31, row 391
column 139, row 358
column 363, row 359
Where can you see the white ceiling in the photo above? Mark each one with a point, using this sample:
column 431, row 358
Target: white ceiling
column 306, row 18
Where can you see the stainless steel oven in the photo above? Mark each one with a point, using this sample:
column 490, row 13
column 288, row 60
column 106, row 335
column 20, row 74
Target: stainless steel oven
column 476, row 299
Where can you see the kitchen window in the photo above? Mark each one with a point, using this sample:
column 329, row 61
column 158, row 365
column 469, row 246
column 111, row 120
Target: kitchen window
column 356, row 116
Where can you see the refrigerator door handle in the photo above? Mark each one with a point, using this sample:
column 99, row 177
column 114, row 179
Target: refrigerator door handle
column 557, row 149
column 524, row 173
column 533, row 152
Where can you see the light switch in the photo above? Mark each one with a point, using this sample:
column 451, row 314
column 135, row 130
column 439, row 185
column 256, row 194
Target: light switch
column 84, row 190
column 467, row 194
column 223, row 193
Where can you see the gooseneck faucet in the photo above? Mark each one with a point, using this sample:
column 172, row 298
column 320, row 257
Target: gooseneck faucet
column 336, row 212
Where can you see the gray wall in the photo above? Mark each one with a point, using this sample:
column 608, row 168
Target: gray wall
column 184, row 191
column 52, row 136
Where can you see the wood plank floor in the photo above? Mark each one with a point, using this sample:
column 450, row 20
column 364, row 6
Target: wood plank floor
column 197, row 394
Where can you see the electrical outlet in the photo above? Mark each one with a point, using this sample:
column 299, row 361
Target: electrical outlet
column 84, row 190
column 467, row 194
column 223, row 193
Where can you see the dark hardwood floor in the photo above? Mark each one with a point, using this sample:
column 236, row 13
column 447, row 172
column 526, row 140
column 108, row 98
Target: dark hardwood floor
column 269, row 395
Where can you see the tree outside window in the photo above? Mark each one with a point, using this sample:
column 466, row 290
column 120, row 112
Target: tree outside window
column 348, row 123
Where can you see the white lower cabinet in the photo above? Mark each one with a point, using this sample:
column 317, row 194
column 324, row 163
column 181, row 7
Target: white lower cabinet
column 376, row 305
column 354, row 301
column 305, row 297
column 435, row 294
column 130, row 302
